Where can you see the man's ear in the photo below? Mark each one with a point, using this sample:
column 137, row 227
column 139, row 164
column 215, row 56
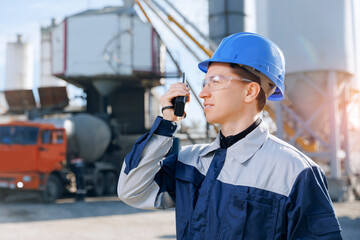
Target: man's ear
column 252, row 92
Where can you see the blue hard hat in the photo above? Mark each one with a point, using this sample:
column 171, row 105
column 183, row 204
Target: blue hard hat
column 256, row 52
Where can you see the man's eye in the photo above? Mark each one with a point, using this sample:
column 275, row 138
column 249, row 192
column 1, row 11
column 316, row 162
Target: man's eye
column 216, row 81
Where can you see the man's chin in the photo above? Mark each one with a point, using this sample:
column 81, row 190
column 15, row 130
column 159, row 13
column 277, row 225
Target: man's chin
column 212, row 120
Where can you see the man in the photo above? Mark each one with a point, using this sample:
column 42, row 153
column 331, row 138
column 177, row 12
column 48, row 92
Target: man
column 247, row 184
column 77, row 166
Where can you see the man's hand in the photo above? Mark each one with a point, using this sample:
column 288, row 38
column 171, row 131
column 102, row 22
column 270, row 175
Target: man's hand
column 175, row 90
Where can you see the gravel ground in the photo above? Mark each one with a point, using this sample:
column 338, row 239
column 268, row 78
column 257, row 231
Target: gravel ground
column 108, row 218
column 96, row 218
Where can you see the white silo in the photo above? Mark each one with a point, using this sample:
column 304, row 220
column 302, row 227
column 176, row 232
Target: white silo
column 19, row 65
column 317, row 38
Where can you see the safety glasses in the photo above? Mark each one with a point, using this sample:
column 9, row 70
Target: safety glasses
column 219, row 82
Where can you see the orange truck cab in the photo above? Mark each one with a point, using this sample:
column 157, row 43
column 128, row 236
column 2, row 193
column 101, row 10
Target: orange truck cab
column 32, row 156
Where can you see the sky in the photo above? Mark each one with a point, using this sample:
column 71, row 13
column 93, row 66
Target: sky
column 27, row 17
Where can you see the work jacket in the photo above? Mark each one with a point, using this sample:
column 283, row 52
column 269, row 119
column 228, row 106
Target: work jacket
column 258, row 188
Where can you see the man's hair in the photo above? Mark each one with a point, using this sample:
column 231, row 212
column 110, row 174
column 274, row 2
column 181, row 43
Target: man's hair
column 244, row 73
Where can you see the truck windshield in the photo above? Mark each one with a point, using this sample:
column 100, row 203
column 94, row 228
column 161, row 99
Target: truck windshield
column 18, row 135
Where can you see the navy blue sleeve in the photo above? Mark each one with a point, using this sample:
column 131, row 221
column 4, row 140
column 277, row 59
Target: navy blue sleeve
column 160, row 127
column 166, row 128
column 310, row 213
column 165, row 178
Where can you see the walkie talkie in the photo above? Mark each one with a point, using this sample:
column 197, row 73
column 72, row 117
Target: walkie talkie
column 179, row 102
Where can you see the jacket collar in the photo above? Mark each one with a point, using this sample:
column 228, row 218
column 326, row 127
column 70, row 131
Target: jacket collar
column 245, row 148
column 211, row 147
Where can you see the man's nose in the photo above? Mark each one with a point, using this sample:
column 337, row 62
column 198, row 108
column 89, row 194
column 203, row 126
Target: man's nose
column 205, row 92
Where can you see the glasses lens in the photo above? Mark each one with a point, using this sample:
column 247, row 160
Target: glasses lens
column 205, row 81
column 217, row 82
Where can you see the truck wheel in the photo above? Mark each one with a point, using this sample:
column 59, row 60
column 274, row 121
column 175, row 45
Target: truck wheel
column 111, row 183
column 99, row 185
column 52, row 190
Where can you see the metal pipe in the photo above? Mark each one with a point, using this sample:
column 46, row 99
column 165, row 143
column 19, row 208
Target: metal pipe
column 334, row 133
column 206, row 51
column 169, row 27
column 143, row 11
column 187, row 21
column 355, row 42
column 345, row 129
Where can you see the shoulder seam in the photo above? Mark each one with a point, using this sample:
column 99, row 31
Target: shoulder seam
column 288, row 146
column 293, row 183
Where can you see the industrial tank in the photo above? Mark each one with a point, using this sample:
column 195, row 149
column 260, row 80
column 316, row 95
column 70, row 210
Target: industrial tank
column 314, row 41
column 318, row 39
column 19, row 65
column 87, row 135
column 311, row 37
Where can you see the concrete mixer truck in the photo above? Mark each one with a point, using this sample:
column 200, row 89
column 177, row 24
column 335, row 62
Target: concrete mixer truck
column 34, row 156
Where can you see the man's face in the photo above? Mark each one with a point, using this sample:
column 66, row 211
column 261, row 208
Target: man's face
column 225, row 105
